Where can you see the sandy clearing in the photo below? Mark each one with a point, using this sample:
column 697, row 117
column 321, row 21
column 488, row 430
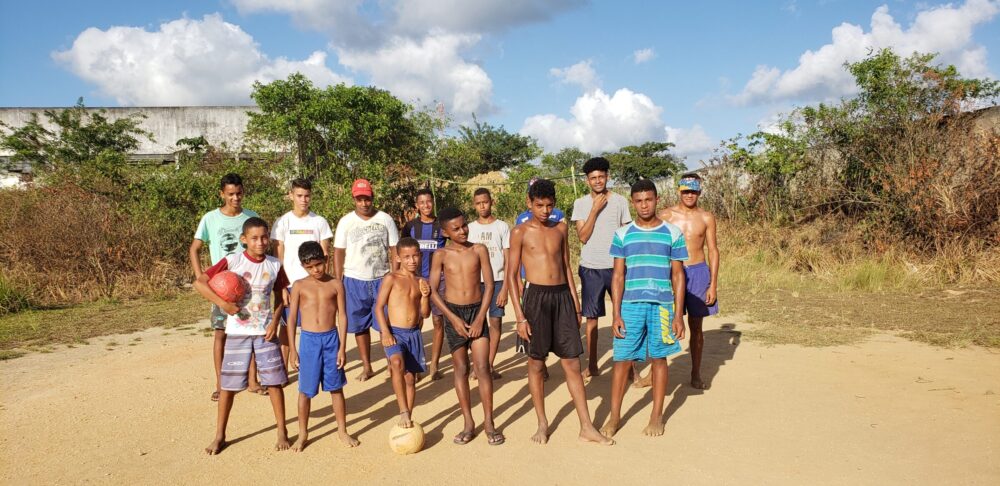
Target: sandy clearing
column 887, row 410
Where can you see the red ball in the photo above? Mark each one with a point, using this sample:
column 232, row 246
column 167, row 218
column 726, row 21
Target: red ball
column 229, row 286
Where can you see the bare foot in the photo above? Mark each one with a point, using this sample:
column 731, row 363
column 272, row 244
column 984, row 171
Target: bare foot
column 590, row 434
column 347, row 439
column 610, row 429
column 697, row 384
column 497, row 375
column 542, row 434
column 404, row 420
column 255, row 388
column 365, row 374
column 216, row 446
column 643, row 382
column 436, row 375
column 282, row 444
column 545, row 373
column 300, row 444
column 654, row 429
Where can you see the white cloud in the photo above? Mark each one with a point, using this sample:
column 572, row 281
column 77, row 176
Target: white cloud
column 820, row 74
column 581, row 74
column 427, row 71
column 643, row 55
column 476, row 16
column 690, row 142
column 185, row 62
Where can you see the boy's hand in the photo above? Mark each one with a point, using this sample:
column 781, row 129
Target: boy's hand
column 502, row 298
column 524, row 330
column 461, row 327
column 230, row 308
column 476, row 330
column 618, row 327
column 679, row 327
column 425, row 288
column 710, row 296
column 387, row 339
column 293, row 359
column 341, row 358
column 599, row 202
column 270, row 331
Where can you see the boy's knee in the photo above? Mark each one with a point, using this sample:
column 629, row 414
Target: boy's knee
column 536, row 365
column 396, row 362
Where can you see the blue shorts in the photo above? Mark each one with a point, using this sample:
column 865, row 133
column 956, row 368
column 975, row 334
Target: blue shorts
column 596, row 284
column 699, row 278
column 494, row 310
column 410, row 344
column 361, row 296
column 318, row 362
column 284, row 313
column 648, row 332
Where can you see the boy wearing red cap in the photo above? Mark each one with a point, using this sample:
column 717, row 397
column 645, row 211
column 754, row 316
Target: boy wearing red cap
column 364, row 249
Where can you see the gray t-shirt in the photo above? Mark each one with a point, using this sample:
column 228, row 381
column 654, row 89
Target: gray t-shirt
column 596, row 253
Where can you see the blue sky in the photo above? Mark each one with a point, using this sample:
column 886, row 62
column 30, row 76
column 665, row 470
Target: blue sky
column 564, row 71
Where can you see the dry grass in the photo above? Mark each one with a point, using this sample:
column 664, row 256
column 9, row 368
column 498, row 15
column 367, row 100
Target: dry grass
column 39, row 330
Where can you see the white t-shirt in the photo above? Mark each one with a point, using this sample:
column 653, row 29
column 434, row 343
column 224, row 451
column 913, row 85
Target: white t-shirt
column 366, row 244
column 496, row 238
column 293, row 231
column 255, row 307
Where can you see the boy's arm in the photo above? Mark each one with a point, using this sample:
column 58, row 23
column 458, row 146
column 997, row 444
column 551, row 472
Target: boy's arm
column 393, row 263
column 713, row 258
column 279, row 249
column 278, row 290
column 380, row 317
column 201, row 285
column 338, row 263
column 569, row 275
column 617, row 292
column 513, row 278
column 196, row 245
column 425, row 300
column 487, row 274
column 293, row 310
column 437, row 266
column 502, row 297
column 341, row 324
column 585, row 228
column 678, row 281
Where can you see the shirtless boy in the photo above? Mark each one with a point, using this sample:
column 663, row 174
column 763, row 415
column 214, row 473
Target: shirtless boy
column 648, row 269
column 549, row 319
column 320, row 299
column 408, row 299
column 698, row 226
column 465, row 304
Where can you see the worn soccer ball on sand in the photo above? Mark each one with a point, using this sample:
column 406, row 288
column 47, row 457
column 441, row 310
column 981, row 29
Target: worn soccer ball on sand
column 406, row 441
column 229, row 286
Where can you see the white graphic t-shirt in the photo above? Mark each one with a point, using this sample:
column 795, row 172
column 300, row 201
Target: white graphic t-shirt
column 366, row 244
column 293, row 231
column 496, row 238
column 255, row 308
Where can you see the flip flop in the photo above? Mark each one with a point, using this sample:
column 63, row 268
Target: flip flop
column 215, row 396
column 495, row 438
column 463, row 438
column 260, row 391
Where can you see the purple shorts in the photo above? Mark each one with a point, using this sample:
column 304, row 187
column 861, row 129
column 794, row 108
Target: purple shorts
column 699, row 278
column 236, row 362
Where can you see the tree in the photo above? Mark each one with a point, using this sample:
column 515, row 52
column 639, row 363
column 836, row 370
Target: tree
column 567, row 161
column 77, row 136
column 651, row 160
column 480, row 148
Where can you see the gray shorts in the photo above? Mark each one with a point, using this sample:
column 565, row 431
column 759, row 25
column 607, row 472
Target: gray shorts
column 217, row 318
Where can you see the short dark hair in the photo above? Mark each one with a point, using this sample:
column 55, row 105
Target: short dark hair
column 643, row 185
column 302, row 183
column 423, row 192
column 542, row 189
column 482, row 190
column 691, row 175
column 596, row 163
column 230, row 179
column 311, row 251
column 407, row 242
column 448, row 214
column 254, row 222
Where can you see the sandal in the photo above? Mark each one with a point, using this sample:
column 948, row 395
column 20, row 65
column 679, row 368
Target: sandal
column 495, row 438
column 463, row 438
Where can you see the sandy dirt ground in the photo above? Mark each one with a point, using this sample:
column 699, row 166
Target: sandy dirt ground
column 885, row 411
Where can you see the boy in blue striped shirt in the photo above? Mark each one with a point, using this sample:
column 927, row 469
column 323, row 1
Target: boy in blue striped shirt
column 646, row 286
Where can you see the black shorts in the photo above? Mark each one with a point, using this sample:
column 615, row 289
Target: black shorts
column 467, row 313
column 596, row 284
column 551, row 315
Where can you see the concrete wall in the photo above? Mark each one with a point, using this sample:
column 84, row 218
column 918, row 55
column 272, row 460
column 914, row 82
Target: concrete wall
column 218, row 124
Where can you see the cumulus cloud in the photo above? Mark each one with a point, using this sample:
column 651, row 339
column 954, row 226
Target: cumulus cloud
column 581, row 74
column 643, row 55
column 476, row 16
column 185, row 62
column 820, row 74
column 600, row 122
column 427, row 71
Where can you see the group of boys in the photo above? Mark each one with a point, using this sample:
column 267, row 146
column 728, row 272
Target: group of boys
column 462, row 273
